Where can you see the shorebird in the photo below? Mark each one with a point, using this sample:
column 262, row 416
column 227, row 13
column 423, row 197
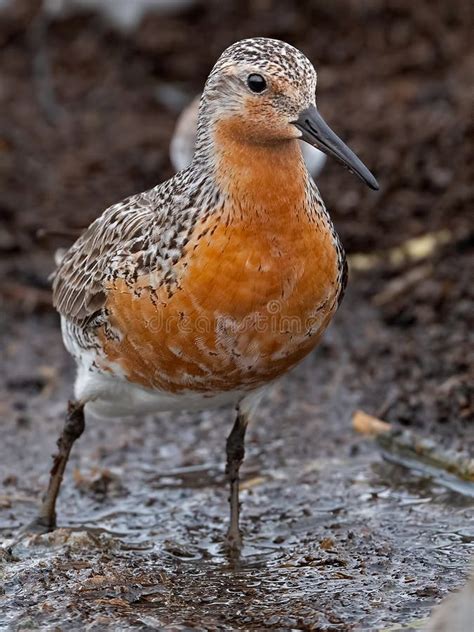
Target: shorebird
column 204, row 290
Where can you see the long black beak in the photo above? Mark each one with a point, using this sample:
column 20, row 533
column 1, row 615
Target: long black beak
column 316, row 132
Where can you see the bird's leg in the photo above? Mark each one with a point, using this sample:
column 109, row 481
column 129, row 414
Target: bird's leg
column 73, row 428
column 235, row 449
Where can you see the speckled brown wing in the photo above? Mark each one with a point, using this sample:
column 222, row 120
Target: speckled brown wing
column 143, row 233
column 79, row 281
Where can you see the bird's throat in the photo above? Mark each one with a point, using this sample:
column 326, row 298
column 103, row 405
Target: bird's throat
column 265, row 182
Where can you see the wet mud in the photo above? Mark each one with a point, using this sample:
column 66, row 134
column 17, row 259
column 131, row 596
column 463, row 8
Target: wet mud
column 337, row 537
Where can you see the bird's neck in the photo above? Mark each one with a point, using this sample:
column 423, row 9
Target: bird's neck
column 263, row 182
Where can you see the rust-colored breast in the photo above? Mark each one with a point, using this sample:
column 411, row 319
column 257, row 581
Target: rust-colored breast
column 247, row 307
column 256, row 287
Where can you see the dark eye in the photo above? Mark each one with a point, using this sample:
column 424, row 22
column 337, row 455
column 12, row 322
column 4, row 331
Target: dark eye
column 256, row 83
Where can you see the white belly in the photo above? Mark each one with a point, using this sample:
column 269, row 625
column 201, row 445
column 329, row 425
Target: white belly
column 112, row 397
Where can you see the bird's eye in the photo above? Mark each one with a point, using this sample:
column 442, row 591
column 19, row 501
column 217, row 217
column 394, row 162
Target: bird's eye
column 256, row 82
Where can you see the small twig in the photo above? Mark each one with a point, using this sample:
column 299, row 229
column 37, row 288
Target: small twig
column 409, row 445
column 368, row 425
column 398, row 286
column 409, row 251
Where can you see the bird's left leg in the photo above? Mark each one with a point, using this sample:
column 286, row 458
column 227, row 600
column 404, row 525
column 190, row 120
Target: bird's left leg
column 235, row 449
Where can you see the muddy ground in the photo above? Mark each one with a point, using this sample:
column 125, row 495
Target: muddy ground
column 337, row 537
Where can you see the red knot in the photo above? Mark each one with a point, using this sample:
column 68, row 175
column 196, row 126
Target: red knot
column 204, row 290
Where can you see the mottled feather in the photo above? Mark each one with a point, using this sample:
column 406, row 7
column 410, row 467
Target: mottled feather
column 141, row 233
column 240, row 230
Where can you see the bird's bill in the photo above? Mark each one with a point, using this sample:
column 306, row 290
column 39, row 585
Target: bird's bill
column 315, row 131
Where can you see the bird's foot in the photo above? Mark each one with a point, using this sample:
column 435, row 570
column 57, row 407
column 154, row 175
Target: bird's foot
column 233, row 543
column 39, row 526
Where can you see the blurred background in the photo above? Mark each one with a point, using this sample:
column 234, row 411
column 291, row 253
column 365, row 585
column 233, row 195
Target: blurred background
column 90, row 92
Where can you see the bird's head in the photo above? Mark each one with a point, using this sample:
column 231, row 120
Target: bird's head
column 261, row 91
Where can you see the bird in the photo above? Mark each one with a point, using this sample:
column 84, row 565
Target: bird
column 184, row 139
column 202, row 291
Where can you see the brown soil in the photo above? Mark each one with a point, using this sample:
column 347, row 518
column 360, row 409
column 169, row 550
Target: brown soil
column 395, row 82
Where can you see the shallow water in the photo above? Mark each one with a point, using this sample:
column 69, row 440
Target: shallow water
column 330, row 544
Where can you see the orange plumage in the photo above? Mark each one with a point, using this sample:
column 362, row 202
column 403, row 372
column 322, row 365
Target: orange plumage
column 256, row 285
column 203, row 290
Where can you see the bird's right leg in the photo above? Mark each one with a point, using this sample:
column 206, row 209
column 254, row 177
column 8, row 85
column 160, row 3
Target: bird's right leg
column 73, row 428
